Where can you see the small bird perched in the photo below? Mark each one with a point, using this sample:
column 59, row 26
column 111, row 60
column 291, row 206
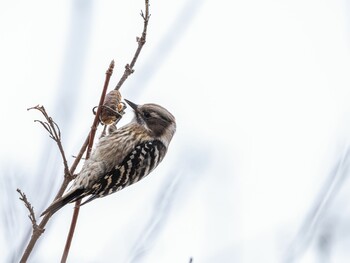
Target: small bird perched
column 123, row 157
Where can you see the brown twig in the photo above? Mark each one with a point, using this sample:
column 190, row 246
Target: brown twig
column 129, row 68
column 55, row 133
column 90, row 140
column 30, row 209
column 51, row 127
column 37, row 229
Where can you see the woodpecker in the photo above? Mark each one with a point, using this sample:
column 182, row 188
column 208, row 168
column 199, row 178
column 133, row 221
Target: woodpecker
column 123, row 157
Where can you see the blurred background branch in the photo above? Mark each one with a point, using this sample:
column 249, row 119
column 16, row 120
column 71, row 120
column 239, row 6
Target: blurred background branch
column 331, row 188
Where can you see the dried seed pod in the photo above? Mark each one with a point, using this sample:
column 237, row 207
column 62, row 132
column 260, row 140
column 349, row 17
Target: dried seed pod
column 112, row 108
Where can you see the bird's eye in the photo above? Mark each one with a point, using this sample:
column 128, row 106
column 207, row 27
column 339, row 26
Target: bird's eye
column 146, row 114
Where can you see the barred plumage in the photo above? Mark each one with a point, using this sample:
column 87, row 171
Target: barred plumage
column 123, row 157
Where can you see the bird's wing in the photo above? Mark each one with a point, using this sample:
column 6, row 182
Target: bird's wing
column 135, row 166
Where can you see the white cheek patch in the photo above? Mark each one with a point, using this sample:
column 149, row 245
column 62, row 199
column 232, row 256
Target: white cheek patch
column 146, row 127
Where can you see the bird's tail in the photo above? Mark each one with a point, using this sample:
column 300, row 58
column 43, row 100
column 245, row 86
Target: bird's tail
column 60, row 202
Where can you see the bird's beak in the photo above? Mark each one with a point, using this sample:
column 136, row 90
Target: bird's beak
column 132, row 105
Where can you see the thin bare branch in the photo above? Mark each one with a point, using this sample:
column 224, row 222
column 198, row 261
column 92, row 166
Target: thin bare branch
column 30, row 209
column 91, row 138
column 129, row 68
column 55, row 133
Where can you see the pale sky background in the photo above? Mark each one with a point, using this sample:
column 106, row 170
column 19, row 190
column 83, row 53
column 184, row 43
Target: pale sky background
column 260, row 92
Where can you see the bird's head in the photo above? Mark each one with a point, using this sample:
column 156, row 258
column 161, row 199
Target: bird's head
column 158, row 121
